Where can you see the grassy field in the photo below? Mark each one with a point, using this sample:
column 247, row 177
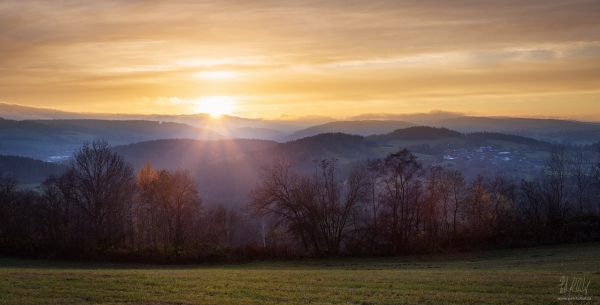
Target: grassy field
column 522, row 276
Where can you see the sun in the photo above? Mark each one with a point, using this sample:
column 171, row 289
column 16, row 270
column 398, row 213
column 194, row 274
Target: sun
column 215, row 105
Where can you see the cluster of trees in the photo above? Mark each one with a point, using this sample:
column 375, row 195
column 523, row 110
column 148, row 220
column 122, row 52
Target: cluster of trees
column 398, row 206
column 100, row 208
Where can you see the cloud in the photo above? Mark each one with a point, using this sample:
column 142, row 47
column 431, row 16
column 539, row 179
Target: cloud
column 349, row 56
column 419, row 118
column 171, row 101
column 296, row 31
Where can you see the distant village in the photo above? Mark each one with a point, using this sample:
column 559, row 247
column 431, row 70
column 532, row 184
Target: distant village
column 493, row 156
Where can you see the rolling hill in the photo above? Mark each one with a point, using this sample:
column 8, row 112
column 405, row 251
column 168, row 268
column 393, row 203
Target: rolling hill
column 475, row 124
column 363, row 128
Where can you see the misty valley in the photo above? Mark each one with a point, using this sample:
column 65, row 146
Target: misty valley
column 163, row 192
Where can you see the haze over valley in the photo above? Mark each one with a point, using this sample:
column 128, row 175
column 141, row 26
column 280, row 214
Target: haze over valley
column 233, row 150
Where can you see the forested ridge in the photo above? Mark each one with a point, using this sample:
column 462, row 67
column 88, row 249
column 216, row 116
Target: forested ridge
column 365, row 127
column 28, row 170
column 100, row 207
column 433, row 133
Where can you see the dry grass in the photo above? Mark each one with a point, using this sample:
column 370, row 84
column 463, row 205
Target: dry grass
column 523, row 276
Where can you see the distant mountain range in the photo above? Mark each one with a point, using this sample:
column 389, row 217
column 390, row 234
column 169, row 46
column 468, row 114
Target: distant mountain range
column 61, row 132
column 475, row 124
column 44, row 139
column 287, row 128
column 225, row 124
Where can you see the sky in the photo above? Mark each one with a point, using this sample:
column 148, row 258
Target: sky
column 279, row 59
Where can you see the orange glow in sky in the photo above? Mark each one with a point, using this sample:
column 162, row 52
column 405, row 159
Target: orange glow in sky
column 215, row 105
column 295, row 58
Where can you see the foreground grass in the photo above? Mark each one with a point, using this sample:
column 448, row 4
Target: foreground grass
column 523, row 276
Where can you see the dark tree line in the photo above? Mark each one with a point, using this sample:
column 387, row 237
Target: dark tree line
column 100, row 209
column 398, row 206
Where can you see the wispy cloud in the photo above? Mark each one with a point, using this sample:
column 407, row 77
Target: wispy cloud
column 171, row 101
column 347, row 56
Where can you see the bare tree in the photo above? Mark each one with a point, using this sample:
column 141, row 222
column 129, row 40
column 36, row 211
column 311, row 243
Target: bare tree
column 530, row 208
column 555, row 183
column 318, row 208
column 375, row 208
column 432, row 207
column 103, row 187
column 402, row 185
column 17, row 217
column 61, row 220
column 502, row 194
column 582, row 174
column 339, row 202
column 455, row 189
column 478, row 212
column 8, row 187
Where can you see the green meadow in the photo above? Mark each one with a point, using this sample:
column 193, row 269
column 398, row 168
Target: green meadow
column 518, row 276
